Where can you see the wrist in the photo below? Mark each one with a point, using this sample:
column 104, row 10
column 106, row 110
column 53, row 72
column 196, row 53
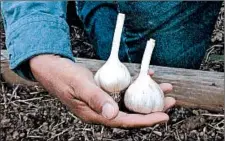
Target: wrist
column 51, row 64
column 42, row 63
column 36, row 60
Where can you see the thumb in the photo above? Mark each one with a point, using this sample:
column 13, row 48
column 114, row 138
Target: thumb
column 100, row 101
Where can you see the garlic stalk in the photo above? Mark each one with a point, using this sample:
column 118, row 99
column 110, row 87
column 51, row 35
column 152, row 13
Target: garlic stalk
column 144, row 95
column 113, row 76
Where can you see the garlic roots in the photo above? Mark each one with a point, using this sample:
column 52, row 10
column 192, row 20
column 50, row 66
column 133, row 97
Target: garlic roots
column 113, row 76
column 144, row 95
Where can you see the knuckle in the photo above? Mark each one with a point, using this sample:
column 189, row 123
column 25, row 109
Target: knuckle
column 94, row 100
column 66, row 90
column 93, row 97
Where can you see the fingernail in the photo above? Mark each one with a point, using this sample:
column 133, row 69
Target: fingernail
column 108, row 110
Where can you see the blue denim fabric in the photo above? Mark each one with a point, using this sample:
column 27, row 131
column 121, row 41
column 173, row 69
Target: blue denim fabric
column 34, row 28
column 182, row 30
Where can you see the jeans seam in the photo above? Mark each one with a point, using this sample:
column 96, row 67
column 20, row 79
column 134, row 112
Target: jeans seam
column 124, row 38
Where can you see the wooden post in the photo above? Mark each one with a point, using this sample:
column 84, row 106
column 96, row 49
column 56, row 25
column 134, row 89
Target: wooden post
column 8, row 75
column 192, row 88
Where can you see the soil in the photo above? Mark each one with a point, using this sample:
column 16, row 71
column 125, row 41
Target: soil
column 30, row 113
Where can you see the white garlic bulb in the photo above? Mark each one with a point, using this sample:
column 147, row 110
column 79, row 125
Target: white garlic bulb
column 144, row 95
column 114, row 76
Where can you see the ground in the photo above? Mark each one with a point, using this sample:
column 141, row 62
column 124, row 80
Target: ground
column 30, row 113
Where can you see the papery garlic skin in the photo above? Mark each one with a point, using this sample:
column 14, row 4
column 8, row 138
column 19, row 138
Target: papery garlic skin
column 144, row 95
column 113, row 76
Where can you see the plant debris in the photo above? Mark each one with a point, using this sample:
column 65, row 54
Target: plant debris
column 30, row 113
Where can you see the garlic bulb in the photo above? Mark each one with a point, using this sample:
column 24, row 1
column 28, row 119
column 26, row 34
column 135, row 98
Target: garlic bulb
column 114, row 76
column 144, row 95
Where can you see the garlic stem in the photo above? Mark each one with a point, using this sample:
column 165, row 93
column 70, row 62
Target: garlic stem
column 144, row 95
column 113, row 76
column 147, row 57
column 117, row 36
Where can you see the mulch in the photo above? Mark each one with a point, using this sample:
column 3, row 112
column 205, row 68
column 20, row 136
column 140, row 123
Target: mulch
column 30, row 113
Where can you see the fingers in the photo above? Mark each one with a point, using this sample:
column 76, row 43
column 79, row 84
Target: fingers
column 84, row 112
column 122, row 119
column 166, row 87
column 168, row 103
column 99, row 101
column 86, row 90
column 150, row 72
column 137, row 120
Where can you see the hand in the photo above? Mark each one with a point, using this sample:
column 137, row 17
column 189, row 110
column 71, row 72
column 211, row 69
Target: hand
column 74, row 86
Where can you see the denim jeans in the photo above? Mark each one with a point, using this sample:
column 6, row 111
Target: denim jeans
column 182, row 30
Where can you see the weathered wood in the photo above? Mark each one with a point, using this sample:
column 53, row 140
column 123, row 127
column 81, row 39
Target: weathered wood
column 8, row 75
column 12, row 78
column 192, row 88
